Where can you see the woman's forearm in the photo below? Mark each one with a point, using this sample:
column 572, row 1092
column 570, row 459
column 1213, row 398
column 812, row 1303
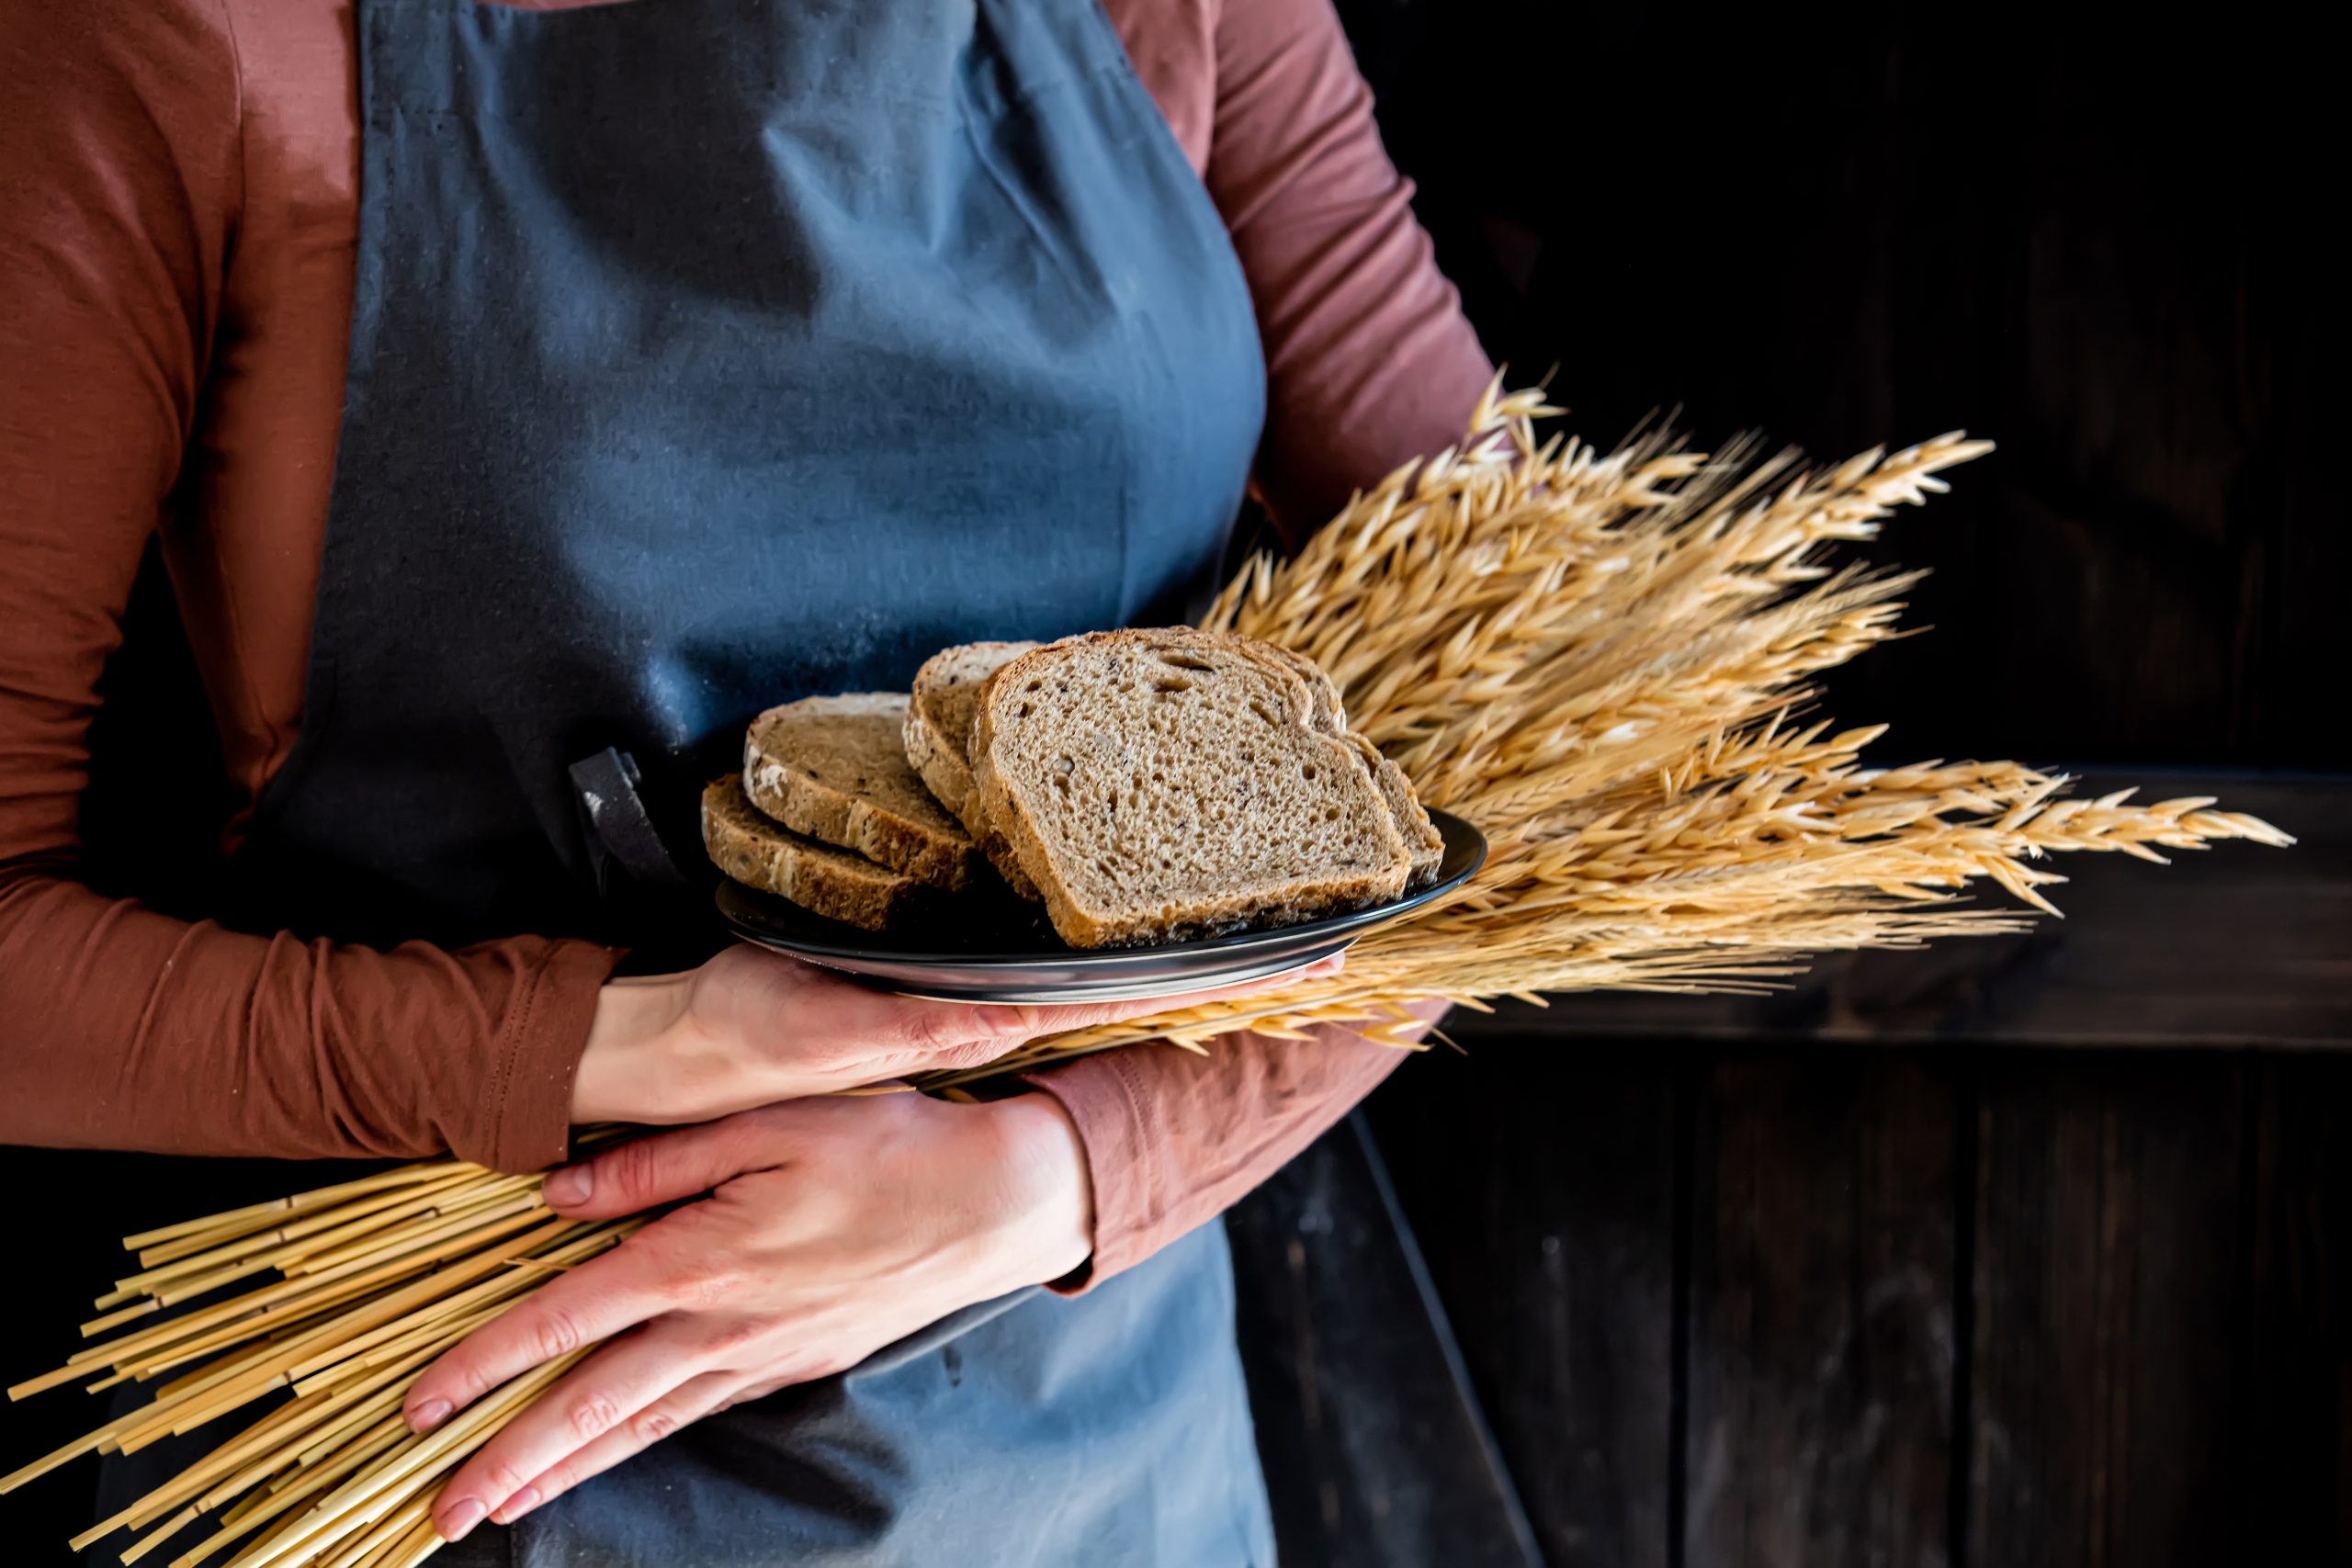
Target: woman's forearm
column 120, row 202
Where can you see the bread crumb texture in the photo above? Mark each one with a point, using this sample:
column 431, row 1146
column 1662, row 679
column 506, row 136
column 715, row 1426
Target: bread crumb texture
column 1165, row 784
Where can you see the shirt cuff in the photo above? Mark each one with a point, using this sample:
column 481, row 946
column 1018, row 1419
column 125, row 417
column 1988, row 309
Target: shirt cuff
column 1173, row 1138
column 1103, row 1100
column 546, row 1035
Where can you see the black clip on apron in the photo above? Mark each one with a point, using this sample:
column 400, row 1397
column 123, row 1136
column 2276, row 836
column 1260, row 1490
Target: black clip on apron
column 707, row 354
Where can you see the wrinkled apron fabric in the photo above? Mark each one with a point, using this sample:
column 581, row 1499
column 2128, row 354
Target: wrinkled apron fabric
column 707, row 354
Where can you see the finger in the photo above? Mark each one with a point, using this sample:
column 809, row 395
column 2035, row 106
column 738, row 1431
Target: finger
column 592, row 1301
column 661, row 1167
column 689, row 1402
column 595, row 1397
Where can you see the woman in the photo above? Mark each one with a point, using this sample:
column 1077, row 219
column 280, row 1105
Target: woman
column 508, row 385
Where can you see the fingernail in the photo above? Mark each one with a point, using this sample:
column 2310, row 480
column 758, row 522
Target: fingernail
column 459, row 1518
column 522, row 1502
column 429, row 1414
column 570, row 1186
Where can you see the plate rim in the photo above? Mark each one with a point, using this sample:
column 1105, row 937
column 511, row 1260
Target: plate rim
column 1015, row 991
column 1111, row 960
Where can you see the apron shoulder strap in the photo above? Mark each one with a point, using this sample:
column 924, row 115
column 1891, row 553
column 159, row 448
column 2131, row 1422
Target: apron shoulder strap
column 616, row 825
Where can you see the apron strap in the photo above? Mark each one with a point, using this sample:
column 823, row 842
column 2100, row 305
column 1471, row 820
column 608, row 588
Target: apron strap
column 616, row 825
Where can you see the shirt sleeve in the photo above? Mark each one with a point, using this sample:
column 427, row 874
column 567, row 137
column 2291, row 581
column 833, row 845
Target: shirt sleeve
column 119, row 200
column 1370, row 364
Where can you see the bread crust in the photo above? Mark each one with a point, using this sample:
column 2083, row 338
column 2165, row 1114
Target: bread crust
column 1423, row 839
column 781, row 779
column 765, row 855
column 941, row 759
column 943, row 773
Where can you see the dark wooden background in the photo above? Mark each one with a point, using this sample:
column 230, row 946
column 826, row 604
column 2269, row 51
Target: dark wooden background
column 2017, row 1252
column 2034, row 1251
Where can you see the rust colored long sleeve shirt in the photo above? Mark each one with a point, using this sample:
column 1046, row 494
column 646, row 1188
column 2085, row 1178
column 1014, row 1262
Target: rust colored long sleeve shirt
column 178, row 221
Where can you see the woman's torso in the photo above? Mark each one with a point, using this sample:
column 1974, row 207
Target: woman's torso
column 861, row 329
column 243, row 537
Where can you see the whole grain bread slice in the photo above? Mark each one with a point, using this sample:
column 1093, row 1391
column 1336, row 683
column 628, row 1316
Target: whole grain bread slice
column 939, row 714
column 836, row 769
column 1163, row 784
column 938, row 735
column 1325, row 713
column 1329, row 714
column 1422, row 840
column 760, row 852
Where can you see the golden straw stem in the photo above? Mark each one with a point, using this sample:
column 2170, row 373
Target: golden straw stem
column 395, row 1528
column 202, row 1241
column 169, row 1529
column 422, row 1230
column 424, row 1543
column 270, row 1436
column 317, row 1197
column 262, row 1507
column 397, row 1204
column 98, row 1326
column 496, row 1289
column 338, row 1285
column 365, row 1498
column 89, row 1442
column 325, row 1253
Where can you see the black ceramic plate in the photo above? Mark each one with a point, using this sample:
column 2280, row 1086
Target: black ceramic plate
column 1004, row 951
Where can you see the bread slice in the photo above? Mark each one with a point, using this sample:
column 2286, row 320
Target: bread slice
column 938, row 734
column 1163, row 783
column 1328, row 714
column 1422, row 840
column 836, row 769
column 946, row 694
column 762, row 854
column 939, row 714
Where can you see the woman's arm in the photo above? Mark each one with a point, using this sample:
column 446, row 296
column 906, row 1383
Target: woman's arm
column 1370, row 362
column 120, row 191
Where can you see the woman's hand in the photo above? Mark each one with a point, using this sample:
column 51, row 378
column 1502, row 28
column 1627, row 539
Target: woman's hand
column 834, row 1226
column 753, row 1027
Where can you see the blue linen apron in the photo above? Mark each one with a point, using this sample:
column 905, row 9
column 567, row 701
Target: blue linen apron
column 707, row 354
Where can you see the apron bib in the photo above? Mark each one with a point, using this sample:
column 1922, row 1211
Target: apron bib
column 707, row 354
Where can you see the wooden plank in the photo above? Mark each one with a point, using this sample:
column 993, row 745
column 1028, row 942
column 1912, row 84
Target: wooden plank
column 2236, row 946
column 2298, row 1442
column 1542, row 1186
column 1375, row 1453
column 1821, row 1302
column 2106, row 1411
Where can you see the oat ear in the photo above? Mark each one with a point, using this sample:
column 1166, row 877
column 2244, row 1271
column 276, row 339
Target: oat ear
column 1597, row 656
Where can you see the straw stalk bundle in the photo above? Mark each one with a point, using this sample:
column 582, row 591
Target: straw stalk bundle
column 1599, row 660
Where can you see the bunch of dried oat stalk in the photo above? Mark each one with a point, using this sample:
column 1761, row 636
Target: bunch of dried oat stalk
column 1594, row 658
